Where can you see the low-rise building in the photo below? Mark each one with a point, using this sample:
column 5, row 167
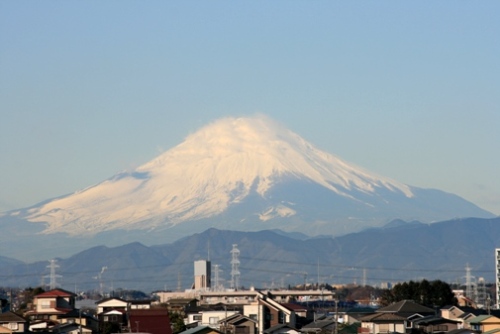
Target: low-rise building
column 14, row 322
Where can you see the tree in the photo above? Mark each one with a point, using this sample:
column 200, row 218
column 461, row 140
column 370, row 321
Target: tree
column 109, row 327
column 431, row 294
column 177, row 323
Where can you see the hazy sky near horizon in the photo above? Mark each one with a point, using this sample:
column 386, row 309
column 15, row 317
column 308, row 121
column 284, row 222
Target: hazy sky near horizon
column 408, row 90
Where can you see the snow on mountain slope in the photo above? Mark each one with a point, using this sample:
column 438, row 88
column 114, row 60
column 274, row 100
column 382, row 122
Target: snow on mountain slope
column 215, row 167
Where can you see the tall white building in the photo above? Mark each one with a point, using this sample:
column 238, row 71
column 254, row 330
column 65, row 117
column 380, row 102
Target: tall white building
column 202, row 275
column 497, row 276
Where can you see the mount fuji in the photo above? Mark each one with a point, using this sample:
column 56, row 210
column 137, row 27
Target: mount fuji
column 244, row 174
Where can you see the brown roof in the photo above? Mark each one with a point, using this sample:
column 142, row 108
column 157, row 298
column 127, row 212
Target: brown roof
column 11, row 317
column 55, row 293
column 154, row 321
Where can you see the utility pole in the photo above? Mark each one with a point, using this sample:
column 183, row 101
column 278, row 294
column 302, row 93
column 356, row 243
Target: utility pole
column 336, row 315
column 80, row 316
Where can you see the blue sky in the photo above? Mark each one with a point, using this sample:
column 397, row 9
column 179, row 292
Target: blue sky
column 408, row 90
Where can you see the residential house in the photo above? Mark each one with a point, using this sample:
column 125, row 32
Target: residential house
column 435, row 324
column 397, row 317
column 52, row 304
column 459, row 314
column 268, row 312
column 484, row 323
column 42, row 325
column 324, row 325
column 353, row 315
column 54, row 308
column 212, row 318
column 152, row 321
column 112, row 312
column 303, row 315
column 451, row 312
column 14, row 322
column 80, row 318
column 181, row 305
column 238, row 324
column 383, row 323
column 113, row 303
column 71, row 328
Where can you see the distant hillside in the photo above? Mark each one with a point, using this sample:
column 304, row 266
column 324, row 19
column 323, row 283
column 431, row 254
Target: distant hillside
column 396, row 252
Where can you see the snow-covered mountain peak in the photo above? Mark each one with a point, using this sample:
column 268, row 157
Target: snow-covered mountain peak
column 257, row 148
column 216, row 167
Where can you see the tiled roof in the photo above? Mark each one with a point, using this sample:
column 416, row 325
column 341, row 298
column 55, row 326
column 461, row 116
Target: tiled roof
column 11, row 317
column 278, row 326
column 56, row 311
column 381, row 317
column 108, row 299
column 434, row 320
column 55, row 293
column 406, row 306
column 200, row 330
column 479, row 318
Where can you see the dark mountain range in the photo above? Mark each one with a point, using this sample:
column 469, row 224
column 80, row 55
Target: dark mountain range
column 399, row 251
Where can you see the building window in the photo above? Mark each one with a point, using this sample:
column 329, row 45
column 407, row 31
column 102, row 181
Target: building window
column 281, row 317
column 213, row 320
column 45, row 304
column 253, row 317
column 197, row 317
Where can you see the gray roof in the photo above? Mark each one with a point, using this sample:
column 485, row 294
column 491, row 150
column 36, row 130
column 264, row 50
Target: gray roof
column 318, row 324
column 406, row 307
column 434, row 320
column 199, row 329
column 278, row 326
